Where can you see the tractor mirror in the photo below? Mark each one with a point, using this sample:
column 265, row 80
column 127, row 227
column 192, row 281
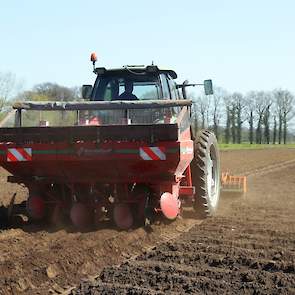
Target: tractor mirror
column 208, row 87
column 86, row 91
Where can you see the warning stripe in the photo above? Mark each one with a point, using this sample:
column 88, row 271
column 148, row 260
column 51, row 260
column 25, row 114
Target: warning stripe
column 160, row 152
column 14, row 155
column 26, row 153
column 11, row 158
column 152, row 153
column 19, row 154
column 144, row 155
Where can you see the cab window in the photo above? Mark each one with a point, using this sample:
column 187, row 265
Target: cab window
column 172, row 87
column 165, row 87
column 125, row 87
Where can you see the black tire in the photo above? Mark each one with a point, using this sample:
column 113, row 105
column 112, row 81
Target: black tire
column 205, row 169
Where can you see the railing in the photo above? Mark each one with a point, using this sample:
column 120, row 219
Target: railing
column 106, row 112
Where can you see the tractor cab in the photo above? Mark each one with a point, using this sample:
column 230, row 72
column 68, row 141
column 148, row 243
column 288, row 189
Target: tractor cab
column 132, row 83
column 136, row 84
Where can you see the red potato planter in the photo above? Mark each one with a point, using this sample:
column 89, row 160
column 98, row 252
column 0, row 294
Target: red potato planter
column 123, row 159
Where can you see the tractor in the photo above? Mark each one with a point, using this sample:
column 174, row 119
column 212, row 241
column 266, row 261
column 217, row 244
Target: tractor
column 126, row 153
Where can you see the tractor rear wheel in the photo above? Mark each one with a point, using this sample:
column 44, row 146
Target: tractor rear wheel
column 205, row 169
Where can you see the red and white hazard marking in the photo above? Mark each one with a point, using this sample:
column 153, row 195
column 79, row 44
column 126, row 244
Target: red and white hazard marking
column 154, row 153
column 19, row 154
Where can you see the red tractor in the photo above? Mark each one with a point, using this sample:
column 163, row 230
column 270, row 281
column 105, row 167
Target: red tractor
column 127, row 154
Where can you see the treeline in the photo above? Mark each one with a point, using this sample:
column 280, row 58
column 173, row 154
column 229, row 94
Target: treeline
column 257, row 117
column 11, row 89
column 51, row 91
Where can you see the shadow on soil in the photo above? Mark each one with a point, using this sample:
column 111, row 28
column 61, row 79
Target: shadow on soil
column 16, row 218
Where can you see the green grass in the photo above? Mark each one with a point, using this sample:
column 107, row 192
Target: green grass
column 246, row 146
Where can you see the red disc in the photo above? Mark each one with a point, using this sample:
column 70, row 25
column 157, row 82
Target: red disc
column 80, row 215
column 36, row 207
column 123, row 216
column 56, row 215
column 169, row 205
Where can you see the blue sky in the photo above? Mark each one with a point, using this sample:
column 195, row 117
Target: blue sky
column 241, row 45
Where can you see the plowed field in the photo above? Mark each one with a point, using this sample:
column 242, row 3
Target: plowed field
column 248, row 248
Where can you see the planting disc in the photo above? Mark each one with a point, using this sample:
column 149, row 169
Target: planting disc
column 80, row 215
column 123, row 216
column 56, row 215
column 169, row 205
column 36, row 207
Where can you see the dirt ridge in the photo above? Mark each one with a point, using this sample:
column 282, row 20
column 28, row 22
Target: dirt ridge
column 243, row 250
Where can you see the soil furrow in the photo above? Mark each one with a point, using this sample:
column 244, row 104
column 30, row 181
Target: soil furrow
column 248, row 248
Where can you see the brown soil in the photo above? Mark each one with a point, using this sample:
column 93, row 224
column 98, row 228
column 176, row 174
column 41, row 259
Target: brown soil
column 248, row 161
column 247, row 248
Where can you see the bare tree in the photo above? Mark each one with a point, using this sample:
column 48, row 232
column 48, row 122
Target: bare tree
column 287, row 112
column 278, row 97
column 266, row 123
column 250, row 112
column 203, row 105
column 284, row 106
column 230, row 128
column 233, row 123
column 233, row 119
column 227, row 126
column 238, row 104
column 262, row 100
column 217, row 101
column 274, row 137
column 7, row 87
